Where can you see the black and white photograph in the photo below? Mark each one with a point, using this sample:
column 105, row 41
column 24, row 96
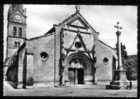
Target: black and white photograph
column 70, row 50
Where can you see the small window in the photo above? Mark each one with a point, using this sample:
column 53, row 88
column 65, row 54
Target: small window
column 105, row 60
column 20, row 32
column 44, row 56
column 78, row 45
column 14, row 31
column 17, row 44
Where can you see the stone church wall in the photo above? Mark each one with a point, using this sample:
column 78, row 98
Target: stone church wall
column 103, row 69
column 11, row 45
column 43, row 70
column 21, row 64
column 30, row 66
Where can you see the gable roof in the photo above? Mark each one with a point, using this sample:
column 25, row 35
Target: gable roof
column 50, row 32
column 77, row 15
column 106, row 44
column 72, row 17
column 17, row 7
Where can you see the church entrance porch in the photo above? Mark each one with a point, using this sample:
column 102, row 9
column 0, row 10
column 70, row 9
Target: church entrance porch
column 78, row 70
column 76, row 75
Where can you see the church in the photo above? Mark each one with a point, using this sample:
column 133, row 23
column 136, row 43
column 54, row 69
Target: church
column 70, row 53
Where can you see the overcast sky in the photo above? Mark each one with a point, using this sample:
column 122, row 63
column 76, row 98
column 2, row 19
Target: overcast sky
column 40, row 18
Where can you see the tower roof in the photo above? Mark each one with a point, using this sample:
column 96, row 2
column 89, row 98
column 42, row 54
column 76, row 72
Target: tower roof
column 17, row 7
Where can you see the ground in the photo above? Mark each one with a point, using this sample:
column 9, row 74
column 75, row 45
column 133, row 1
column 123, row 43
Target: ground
column 79, row 91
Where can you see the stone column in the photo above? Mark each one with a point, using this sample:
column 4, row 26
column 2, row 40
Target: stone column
column 120, row 81
column 25, row 69
column 118, row 33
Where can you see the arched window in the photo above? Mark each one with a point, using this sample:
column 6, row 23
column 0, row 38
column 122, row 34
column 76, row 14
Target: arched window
column 20, row 32
column 14, row 31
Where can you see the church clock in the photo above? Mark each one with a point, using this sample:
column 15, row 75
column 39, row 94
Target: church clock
column 18, row 18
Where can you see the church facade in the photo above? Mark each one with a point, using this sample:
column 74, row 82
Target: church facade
column 70, row 53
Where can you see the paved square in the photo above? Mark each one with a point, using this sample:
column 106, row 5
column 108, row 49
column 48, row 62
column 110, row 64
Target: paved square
column 80, row 91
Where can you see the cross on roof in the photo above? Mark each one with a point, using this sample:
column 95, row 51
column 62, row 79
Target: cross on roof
column 117, row 26
column 77, row 7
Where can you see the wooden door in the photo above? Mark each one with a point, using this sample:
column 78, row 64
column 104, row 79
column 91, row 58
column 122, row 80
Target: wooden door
column 80, row 75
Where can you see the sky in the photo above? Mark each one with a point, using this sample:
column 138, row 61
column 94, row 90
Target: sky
column 40, row 18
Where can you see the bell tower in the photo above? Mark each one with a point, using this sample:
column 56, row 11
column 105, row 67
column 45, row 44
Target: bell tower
column 16, row 28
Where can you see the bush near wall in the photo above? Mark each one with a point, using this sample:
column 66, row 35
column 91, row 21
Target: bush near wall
column 30, row 81
column 131, row 67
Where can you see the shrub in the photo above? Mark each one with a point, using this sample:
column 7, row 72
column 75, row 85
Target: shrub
column 30, row 81
column 131, row 74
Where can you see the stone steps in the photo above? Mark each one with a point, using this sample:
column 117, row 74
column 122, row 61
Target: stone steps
column 86, row 86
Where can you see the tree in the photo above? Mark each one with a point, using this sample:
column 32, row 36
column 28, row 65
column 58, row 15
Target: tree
column 123, row 51
column 128, row 65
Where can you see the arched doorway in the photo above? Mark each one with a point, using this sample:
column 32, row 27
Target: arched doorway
column 76, row 71
column 79, row 68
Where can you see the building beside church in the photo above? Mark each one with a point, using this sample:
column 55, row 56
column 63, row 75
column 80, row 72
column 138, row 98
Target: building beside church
column 70, row 53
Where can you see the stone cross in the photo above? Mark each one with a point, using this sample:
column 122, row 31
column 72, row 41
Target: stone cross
column 118, row 27
column 119, row 80
column 77, row 7
column 118, row 45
